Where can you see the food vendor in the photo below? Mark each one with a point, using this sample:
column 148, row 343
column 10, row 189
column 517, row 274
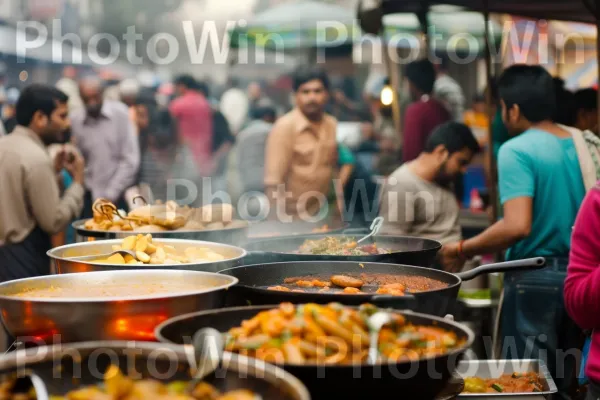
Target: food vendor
column 417, row 200
column 541, row 189
column 31, row 206
column 301, row 153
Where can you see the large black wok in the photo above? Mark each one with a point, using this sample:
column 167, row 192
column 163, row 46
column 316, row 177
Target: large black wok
column 405, row 250
column 422, row 379
column 255, row 279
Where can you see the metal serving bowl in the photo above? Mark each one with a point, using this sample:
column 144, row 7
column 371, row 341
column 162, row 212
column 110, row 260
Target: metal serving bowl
column 66, row 320
column 235, row 234
column 57, row 370
column 62, row 265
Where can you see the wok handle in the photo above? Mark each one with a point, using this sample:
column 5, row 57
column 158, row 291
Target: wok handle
column 527, row 264
column 406, row 302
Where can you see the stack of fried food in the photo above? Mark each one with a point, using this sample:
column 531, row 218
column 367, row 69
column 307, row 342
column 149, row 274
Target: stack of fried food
column 149, row 252
column 159, row 217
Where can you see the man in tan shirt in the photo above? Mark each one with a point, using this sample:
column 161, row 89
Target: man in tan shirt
column 301, row 152
column 31, row 209
column 417, row 200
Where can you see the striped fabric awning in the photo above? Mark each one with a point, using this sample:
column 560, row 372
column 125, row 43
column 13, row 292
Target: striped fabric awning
column 585, row 76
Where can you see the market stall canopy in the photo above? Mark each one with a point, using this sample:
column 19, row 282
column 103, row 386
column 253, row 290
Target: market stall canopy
column 586, row 32
column 584, row 76
column 298, row 25
column 564, row 10
column 450, row 30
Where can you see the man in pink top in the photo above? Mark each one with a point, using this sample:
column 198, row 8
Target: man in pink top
column 425, row 114
column 582, row 286
column 193, row 115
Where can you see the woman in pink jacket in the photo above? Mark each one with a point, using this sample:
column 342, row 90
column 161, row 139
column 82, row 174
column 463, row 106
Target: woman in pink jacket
column 582, row 286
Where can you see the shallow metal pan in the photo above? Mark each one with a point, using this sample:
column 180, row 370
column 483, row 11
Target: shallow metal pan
column 66, row 320
column 495, row 368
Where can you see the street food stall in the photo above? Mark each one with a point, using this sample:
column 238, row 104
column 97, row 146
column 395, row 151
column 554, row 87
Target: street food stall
column 150, row 316
column 307, row 317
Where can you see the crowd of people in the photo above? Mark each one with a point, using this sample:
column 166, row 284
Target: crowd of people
column 61, row 152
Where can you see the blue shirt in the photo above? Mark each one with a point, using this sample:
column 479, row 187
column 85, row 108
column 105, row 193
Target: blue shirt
column 542, row 166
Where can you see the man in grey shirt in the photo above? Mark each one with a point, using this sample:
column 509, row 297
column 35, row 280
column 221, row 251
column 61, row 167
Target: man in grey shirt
column 106, row 137
column 417, row 200
column 251, row 142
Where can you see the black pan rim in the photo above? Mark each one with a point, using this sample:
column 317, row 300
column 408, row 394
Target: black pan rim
column 435, row 245
column 336, row 295
column 470, row 335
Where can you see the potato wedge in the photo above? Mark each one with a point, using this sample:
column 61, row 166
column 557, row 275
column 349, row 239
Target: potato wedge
column 143, row 257
column 141, row 244
column 150, row 248
column 160, row 255
column 129, row 243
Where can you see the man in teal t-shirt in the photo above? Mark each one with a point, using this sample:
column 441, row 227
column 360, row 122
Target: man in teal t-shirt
column 544, row 168
column 541, row 188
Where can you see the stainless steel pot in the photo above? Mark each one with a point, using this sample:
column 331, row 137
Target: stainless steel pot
column 61, row 264
column 74, row 319
column 60, row 369
column 235, row 234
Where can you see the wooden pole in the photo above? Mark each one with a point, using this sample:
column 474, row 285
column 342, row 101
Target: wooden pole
column 559, row 57
column 392, row 72
column 493, row 178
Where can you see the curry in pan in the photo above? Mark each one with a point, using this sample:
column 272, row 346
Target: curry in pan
column 117, row 386
column 529, row 382
column 110, row 290
column 365, row 283
column 334, row 246
column 333, row 335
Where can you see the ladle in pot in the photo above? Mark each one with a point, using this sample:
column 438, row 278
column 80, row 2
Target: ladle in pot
column 105, row 256
column 375, row 323
column 375, row 228
column 208, row 352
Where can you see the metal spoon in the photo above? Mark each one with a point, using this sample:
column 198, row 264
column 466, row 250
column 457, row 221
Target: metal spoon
column 375, row 227
column 208, row 351
column 375, row 323
column 105, row 256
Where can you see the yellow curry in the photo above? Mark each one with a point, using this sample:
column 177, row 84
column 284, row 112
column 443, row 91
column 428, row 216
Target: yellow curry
column 105, row 290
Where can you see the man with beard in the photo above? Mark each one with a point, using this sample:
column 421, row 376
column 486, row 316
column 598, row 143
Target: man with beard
column 105, row 135
column 31, row 206
column 301, row 152
column 417, row 200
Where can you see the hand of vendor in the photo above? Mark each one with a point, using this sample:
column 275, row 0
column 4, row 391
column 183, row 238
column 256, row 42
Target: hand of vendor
column 451, row 258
